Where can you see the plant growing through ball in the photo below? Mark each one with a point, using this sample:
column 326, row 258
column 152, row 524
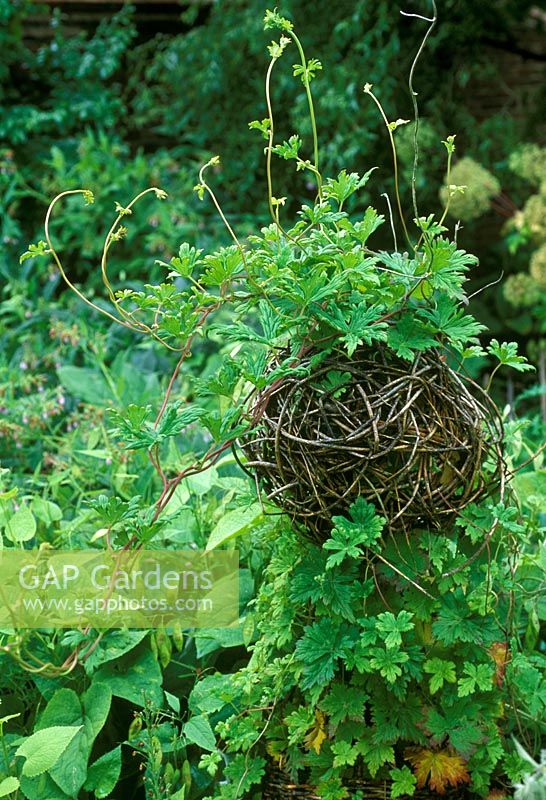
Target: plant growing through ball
column 401, row 608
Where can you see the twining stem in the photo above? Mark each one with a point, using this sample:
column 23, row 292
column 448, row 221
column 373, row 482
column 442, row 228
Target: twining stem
column 127, row 320
column 61, row 268
column 413, row 95
column 271, row 136
column 448, row 184
column 368, row 90
column 204, row 185
column 110, row 238
column 306, row 83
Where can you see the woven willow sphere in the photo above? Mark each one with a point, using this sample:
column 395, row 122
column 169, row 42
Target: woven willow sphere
column 409, row 437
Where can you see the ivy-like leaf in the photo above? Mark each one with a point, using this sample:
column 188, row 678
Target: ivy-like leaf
column 392, row 627
column 439, row 769
column 288, row 149
column 408, row 336
column 346, row 184
column 322, row 645
column 403, row 782
column 507, row 354
column 344, row 702
column 459, row 328
column 441, row 671
column 350, row 536
column 476, row 676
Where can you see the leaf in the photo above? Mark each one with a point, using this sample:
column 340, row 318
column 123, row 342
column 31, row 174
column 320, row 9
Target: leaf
column 307, row 72
column 447, row 267
column 507, row 353
column 186, row 261
column 453, row 624
column 137, row 432
column 345, row 754
column 43, row 749
column 403, row 782
column 235, row 523
column 290, row 149
column 197, row 730
column 458, row 327
column 442, row 671
column 392, row 627
column 336, row 589
column 211, row 693
column 322, row 644
column 89, row 713
column 317, row 735
column 273, row 19
column 65, row 708
column 477, row 676
column 345, row 185
column 40, row 249
column 387, row 663
column 88, row 385
column 363, row 229
column 104, row 773
column 135, row 677
column 440, row 768
column 375, row 755
column 344, row 702
column 113, row 645
column 362, row 324
column 96, row 702
column 408, row 336
column 530, row 488
column 461, row 723
column 46, row 511
column 349, row 536
column 21, row 527
column 8, row 785
column 264, row 126
column 222, row 265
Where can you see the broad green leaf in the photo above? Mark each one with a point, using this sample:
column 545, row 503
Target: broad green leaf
column 198, row 731
column 210, row 694
column 96, row 702
column 89, row 713
column 86, row 384
column 21, row 527
column 46, row 511
column 104, row 773
column 387, row 662
column 476, row 676
column 65, row 709
column 322, row 645
column 113, row 645
column 234, row 523
column 530, row 488
column 8, row 785
column 43, row 749
column 135, row 676
column 41, row 788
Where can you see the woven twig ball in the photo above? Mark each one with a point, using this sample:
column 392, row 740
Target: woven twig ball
column 411, row 438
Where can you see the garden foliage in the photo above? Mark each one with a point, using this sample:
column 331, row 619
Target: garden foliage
column 415, row 658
